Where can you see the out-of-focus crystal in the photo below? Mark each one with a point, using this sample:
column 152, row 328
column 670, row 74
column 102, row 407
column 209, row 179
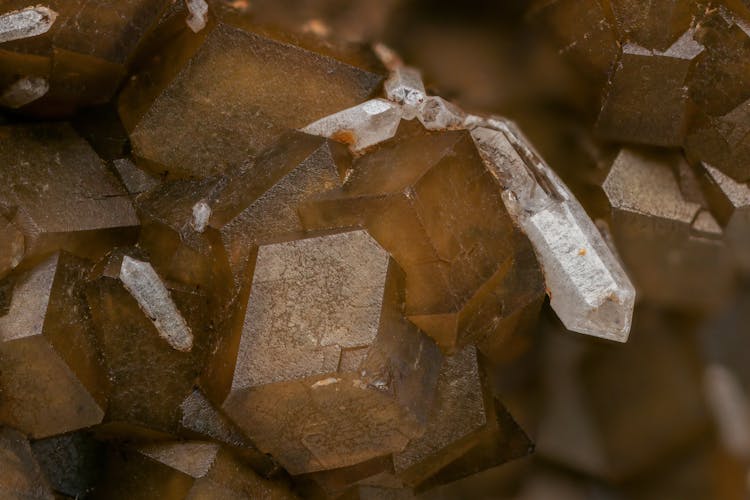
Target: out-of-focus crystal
column 198, row 17
column 23, row 91
column 20, row 475
column 328, row 372
column 361, row 126
column 51, row 379
column 652, row 223
column 11, row 246
column 588, row 289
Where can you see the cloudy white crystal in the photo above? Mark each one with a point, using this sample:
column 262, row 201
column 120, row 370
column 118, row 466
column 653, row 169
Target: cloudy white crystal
column 361, row 126
column 587, row 286
column 25, row 23
column 436, row 113
column 198, row 17
column 140, row 279
column 405, row 87
column 24, row 91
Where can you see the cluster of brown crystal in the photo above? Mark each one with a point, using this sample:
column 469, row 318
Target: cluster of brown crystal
column 669, row 74
column 210, row 303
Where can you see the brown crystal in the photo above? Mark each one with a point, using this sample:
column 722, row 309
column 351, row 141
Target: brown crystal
column 20, row 475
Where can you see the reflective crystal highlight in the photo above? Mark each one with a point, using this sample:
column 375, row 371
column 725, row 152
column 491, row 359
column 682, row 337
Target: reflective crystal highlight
column 588, row 288
column 405, row 87
column 26, row 23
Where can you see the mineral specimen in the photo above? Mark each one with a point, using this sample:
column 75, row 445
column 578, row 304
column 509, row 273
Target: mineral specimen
column 20, row 475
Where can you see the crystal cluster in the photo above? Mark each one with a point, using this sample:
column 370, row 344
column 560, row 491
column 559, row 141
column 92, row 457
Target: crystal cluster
column 280, row 268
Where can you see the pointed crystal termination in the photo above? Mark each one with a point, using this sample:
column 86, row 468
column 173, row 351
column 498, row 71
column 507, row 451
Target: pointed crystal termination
column 360, row 126
column 23, row 91
column 405, row 87
column 140, row 279
column 25, row 23
column 587, row 286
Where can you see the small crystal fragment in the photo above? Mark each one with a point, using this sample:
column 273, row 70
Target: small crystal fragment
column 140, row 279
column 313, row 304
column 361, row 126
column 201, row 215
column 26, row 23
column 23, row 91
column 588, row 289
column 436, row 113
column 51, row 379
column 405, row 87
column 198, row 17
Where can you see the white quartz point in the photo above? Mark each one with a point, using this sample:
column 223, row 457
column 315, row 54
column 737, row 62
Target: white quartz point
column 198, row 17
column 405, row 87
column 23, row 91
column 587, row 286
column 436, row 113
column 25, row 23
column 361, row 126
column 140, row 279
column 201, row 215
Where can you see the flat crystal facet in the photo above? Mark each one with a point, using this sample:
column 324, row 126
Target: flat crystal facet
column 328, row 372
column 588, row 289
column 52, row 381
column 435, row 113
column 20, row 474
column 361, row 126
column 654, row 24
column 68, row 200
column 26, row 23
column 405, row 87
column 185, row 470
column 655, row 228
column 730, row 200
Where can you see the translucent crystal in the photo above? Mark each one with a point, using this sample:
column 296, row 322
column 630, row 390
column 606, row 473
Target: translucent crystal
column 25, row 23
column 654, row 24
column 52, row 381
column 198, row 17
column 360, row 126
column 328, row 372
column 436, row 113
column 140, row 279
column 405, row 87
column 23, row 91
column 588, row 289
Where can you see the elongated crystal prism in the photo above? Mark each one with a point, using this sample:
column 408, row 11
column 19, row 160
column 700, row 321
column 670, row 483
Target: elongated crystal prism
column 25, row 23
column 587, row 286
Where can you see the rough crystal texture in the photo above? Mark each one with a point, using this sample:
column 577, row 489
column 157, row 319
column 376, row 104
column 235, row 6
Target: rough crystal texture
column 23, row 91
column 51, row 380
column 435, row 113
column 588, row 289
column 325, row 357
column 72, row 463
column 419, row 196
column 20, row 475
column 653, row 224
column 11, row 246
column 252, row 94
column 654, row 24
column 26, row 23
column 68, row 199
column 646, row 100
column 185, row 470
column 361, row 126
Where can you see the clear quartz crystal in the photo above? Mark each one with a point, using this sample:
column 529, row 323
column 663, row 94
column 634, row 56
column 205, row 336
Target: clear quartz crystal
column 406, row 88
column 587, row 286
column 25, row 23
column 360, row 126
column 140, row 279
column 436, row 113
column 23, row 91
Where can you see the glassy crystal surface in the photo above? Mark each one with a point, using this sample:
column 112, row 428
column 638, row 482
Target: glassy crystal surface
column 234, row 83
column 418, row 196
column 23, row 91
column 52, row 380
column 655, row 228
column 26, row 23
column 325, row 356
column 61, row 193
column 405, row 87
column 588, row 289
